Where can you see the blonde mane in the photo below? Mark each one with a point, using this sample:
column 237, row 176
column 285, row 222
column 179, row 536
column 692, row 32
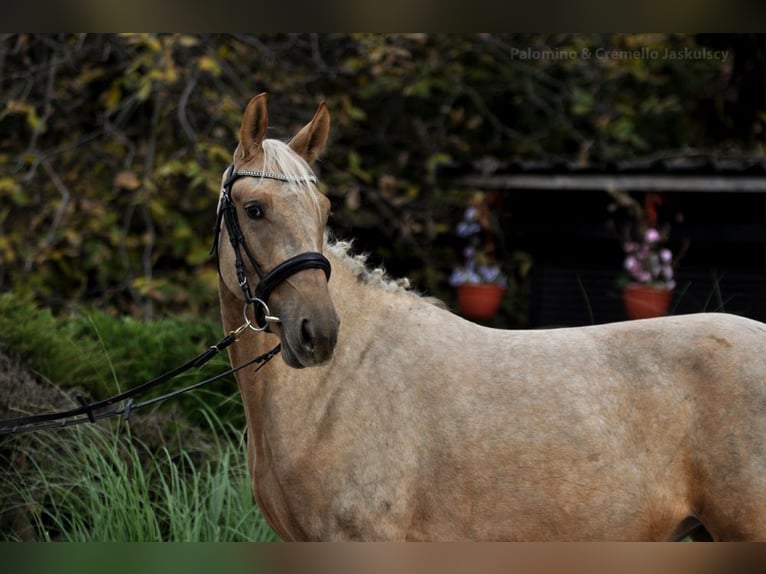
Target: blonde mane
column 375, row 277
column 357, row 264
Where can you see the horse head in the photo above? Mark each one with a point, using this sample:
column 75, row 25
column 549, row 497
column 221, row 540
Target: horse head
column 270, row 236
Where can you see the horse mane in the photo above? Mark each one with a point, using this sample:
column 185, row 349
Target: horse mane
column 376, row 277
column 357, row 264
column 280, row 158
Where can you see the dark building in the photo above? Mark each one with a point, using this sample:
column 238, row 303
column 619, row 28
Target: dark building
column 564, row 216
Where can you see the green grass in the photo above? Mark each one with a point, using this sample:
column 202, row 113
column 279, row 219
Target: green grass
column 176, row 472
column 98, row 483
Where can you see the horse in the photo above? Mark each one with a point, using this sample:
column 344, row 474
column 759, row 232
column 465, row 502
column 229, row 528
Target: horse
column 389, row 418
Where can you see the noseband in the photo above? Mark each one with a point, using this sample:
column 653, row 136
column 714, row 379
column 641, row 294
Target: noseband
column 227, row 215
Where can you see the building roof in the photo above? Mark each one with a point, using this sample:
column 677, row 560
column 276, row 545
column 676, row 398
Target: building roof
column 688, row 172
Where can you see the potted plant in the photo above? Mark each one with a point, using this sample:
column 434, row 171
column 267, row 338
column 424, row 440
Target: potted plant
column 648, row 288
column 648, row 279
column 479, row 280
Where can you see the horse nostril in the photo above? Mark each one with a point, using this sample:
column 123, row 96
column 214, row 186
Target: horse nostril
column 306, row 336
column 315, row 340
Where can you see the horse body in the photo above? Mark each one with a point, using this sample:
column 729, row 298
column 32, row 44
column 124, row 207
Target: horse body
column 424, row 426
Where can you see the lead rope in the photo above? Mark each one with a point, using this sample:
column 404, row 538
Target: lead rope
column 90, row 410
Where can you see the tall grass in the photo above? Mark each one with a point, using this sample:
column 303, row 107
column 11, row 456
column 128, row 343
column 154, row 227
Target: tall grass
column 98, row 483
column 176, row 473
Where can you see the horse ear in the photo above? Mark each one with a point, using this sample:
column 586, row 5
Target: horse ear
column 254, row 123
column 311, row 139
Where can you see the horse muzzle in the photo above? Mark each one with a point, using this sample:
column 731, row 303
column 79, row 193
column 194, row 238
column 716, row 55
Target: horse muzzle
column 309, row 324
column 310, row 340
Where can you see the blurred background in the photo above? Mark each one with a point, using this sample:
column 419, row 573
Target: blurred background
column 556, row 172
column 112, row 148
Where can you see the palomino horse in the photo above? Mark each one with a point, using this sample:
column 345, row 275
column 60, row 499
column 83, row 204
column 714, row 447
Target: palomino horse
column 410, row 423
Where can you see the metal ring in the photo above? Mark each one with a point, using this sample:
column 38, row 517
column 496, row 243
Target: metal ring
column 268, row 317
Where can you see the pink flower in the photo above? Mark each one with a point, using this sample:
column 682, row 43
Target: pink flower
column 652, row 235
column 647, row 262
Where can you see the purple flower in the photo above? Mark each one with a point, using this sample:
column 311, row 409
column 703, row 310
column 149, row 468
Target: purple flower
column 464, row 275
column 652, row 235
column 458, row 277
column 491, row 274
column 467, row 228
column 476, row 255
column 647, row 262
column 463, row 229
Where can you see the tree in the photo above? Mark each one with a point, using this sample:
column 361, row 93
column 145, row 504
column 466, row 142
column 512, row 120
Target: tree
column 113, row 145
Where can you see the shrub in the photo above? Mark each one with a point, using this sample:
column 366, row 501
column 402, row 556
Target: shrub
column 176, row 472
column 100, row 355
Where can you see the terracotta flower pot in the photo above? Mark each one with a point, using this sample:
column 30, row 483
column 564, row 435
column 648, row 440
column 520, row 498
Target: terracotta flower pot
column 643, row 302
column 479, row 300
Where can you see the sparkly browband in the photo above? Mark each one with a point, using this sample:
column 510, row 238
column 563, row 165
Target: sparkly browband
column 277, row 176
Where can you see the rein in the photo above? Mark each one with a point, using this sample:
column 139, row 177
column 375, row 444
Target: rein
column 88, row 411
column 227, row 215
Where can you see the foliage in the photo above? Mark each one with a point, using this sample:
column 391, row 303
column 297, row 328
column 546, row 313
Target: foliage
column 113, row 145
column 34, row 335
column 174, row 483
column 177, row 472
column 100, row 355
column 90, row 484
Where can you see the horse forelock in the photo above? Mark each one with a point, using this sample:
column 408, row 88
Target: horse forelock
column 279, row 158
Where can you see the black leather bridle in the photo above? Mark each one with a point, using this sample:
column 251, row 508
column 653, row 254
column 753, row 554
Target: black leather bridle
column 227, row 215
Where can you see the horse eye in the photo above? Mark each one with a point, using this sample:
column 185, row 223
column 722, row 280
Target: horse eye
column 254, row 210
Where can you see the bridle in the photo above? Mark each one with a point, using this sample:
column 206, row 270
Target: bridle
column 91, row 411
column 227, row 215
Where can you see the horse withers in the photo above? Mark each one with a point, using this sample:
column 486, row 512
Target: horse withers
column 391, row 418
